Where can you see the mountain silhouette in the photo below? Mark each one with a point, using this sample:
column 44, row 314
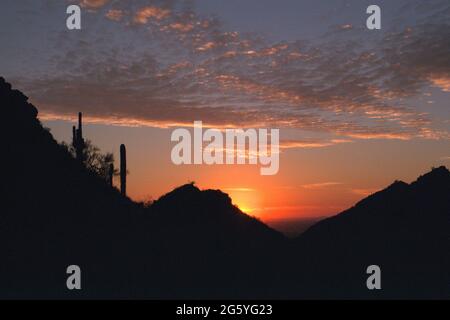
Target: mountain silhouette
column 55, row 213
column 193, row 243
column 404, row 229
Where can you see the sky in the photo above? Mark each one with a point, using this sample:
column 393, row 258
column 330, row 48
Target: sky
column 356, row 108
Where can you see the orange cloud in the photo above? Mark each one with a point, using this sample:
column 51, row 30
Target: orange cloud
column 114, row 121
column 93, row 4
column 441, row 82
column 364, row 192
column 381, row 135
column 114, row 14
column 292, row 144
column 346, row 26
column 207, row 46
column 146, row 13
column 320, row 185
column 181, row 27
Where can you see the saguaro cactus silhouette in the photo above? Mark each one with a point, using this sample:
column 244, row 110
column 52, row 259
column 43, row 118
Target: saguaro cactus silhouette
column 111, row 174
column 123, row 170
column 77, row 140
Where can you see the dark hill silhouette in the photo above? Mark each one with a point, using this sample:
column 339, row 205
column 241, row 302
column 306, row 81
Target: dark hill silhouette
column 196, row 244
column 405, row 229
column 56, row 213
column 189, row 206
column 218, row 246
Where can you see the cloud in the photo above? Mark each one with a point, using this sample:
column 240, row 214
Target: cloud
column 143, row 15
column 115, row 14
column 162, row 64
column 181, row 27
column 93, row 4
column 442, row 82
column 311, row 143
column 346, row 26
column 320, row 185
column 364, row 192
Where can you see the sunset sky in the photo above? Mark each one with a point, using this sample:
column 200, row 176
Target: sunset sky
column 356, row 108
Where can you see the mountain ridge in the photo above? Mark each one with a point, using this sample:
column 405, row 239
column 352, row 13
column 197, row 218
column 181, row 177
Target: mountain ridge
column 404, row 228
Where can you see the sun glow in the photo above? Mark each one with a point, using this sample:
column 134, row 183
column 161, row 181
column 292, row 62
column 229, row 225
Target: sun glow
column 245, row 209
column 246, row 199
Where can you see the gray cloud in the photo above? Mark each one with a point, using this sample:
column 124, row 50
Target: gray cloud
column 160, row 63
